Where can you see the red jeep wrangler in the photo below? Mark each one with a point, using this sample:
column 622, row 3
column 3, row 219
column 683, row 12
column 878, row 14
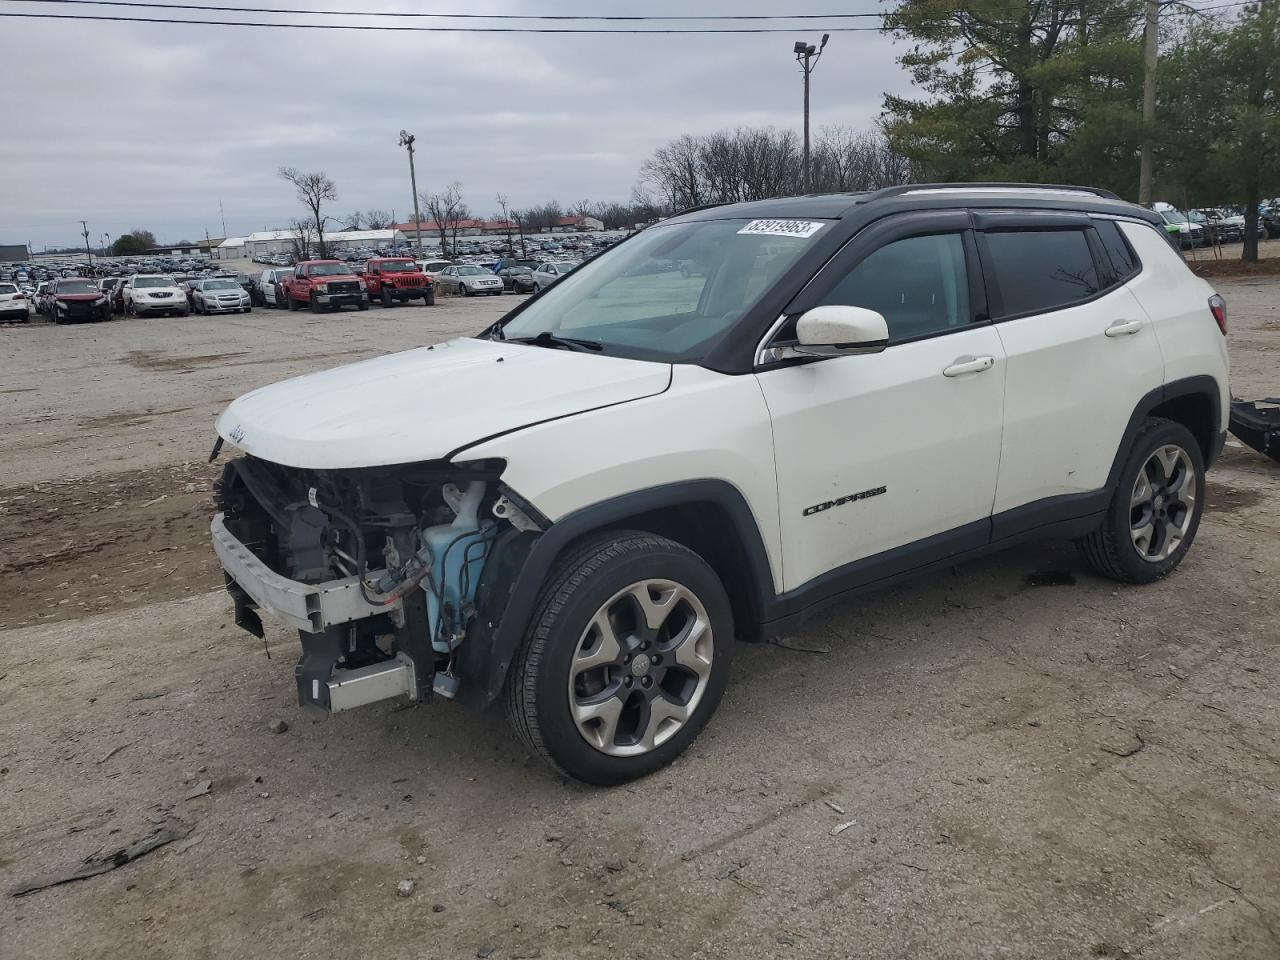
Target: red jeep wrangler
column 398, row 278
column 324, row 285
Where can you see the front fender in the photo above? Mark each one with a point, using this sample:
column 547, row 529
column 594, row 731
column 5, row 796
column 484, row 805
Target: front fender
column 520, row 563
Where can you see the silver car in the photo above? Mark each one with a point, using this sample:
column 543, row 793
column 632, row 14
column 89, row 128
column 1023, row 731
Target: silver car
column 220, row 295
column 551, row 271
column 468, row 280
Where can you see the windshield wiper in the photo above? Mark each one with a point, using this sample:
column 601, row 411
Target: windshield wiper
column 548, row 339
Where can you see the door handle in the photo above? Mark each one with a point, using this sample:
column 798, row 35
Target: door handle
column 962, row 365
column 1123, row 328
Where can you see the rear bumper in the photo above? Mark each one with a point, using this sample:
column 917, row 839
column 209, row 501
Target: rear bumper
column 310, row 607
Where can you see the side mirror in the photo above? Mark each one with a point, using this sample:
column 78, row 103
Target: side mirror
column 838, row 331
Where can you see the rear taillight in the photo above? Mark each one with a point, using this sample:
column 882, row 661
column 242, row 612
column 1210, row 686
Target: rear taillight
column 19, row 296
column 1218, row 307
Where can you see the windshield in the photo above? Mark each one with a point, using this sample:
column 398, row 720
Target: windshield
column 8, row 288
column 327, row 270
column 672, row 291
column 398, row 266
column 1173, row 216
column 471, row 272
column 220, row 285
column 153, row 282
column 564, row 266
column 77, row 286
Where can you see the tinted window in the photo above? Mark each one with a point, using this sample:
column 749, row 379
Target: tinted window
column 918, row 284
column 1123, row 260
column 1038, row 270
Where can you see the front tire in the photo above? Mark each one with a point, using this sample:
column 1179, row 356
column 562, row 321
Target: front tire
column 386, row 297
column 624, row 660
column 1155, row 510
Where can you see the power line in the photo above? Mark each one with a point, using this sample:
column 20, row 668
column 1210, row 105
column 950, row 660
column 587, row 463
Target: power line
column 412, row 29
column 628, row 18
column 220, row 8
column 506, row 29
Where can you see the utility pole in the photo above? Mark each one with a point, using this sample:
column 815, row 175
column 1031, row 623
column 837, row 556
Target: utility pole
column 406, row 140
column 87, row 251
column 807, row 56
column 223, row 215
column 1151, row 45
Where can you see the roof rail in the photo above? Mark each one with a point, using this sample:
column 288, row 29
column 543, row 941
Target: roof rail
column 914, row 187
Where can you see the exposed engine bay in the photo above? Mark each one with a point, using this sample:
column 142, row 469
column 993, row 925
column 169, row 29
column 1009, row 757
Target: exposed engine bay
column 380, row 568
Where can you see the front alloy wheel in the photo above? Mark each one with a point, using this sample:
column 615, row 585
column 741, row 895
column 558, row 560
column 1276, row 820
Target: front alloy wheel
column 624, row 660
column 641, row 667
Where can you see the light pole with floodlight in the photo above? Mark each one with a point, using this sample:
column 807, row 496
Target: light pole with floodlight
column 807, row 56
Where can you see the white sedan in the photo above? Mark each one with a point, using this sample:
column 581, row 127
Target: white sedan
column 469, row 280
column 551, row 271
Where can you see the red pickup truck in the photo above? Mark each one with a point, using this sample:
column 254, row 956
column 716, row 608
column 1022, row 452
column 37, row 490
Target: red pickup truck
column 391, row 279
column 323, row 285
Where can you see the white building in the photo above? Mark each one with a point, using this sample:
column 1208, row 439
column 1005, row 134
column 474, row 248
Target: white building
column 232, row 248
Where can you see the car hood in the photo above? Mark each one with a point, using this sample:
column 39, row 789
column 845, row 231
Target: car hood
column 426, row 404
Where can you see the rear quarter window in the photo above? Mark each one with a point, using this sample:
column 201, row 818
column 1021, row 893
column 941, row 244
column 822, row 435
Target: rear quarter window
column 1123, row 260
column 1035, row 271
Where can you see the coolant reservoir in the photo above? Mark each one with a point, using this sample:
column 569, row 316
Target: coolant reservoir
column 458, row 552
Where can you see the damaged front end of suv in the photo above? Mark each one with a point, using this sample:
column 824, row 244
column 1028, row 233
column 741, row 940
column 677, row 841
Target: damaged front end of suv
column 385, row 571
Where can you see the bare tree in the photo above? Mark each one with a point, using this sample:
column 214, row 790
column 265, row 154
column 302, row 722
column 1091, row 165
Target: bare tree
column 314, row 190
column 447, row 209
column 752, row 163
column 543, row 217
column 377, row 220
column 507, row 223
column 300, row 240
column 353, row 221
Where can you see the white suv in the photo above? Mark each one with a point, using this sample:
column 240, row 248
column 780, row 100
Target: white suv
column 147, row 293
column 709, row 432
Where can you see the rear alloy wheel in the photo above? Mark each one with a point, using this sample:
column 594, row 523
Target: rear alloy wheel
column 1155, row 509
column 1163, row 503
column 625, row 660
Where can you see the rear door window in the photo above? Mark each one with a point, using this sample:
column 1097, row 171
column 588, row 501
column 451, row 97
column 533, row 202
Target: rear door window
column 1034, row 271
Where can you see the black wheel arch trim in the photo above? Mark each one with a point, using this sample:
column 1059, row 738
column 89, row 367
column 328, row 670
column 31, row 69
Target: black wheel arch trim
column 502, row 619
column 1199, row 385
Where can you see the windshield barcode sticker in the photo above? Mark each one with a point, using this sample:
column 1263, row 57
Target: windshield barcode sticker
column 783, row 228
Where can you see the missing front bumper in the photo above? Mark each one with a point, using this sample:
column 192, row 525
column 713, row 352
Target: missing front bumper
column 310, row 607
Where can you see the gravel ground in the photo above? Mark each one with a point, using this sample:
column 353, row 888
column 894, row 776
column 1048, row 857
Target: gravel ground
column 1011, row 759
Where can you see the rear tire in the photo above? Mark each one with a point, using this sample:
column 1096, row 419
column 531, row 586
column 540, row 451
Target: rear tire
column 1155, row 509
column 606, row 709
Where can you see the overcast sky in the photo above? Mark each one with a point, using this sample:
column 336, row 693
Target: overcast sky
column 143, row 125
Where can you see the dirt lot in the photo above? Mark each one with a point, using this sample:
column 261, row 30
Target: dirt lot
column 1027, row 761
